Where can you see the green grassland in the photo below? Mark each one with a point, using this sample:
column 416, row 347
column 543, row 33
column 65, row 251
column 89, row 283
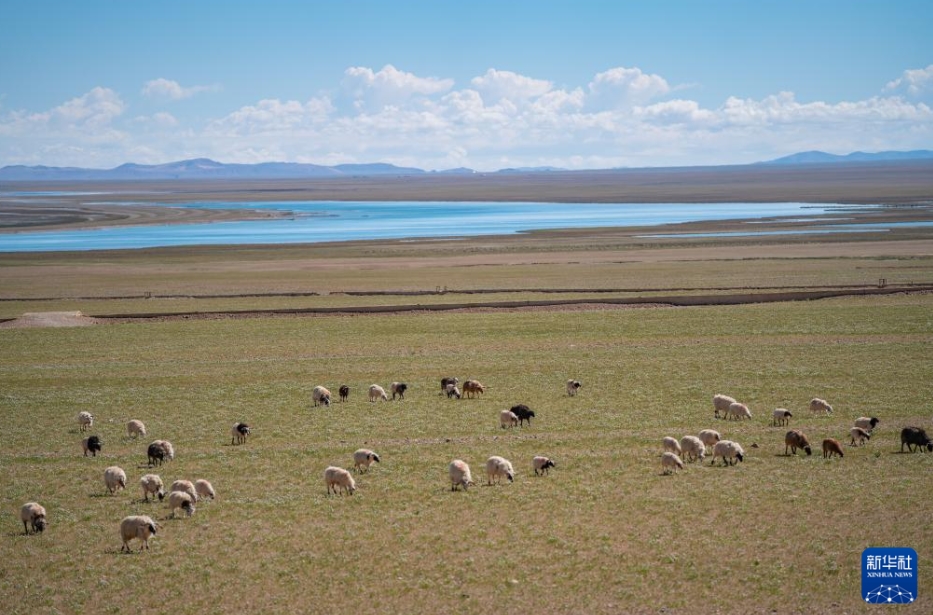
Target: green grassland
column 604, row 533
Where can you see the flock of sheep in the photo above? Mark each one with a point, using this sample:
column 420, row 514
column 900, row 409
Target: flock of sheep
column 694, row 448
column 184, row 494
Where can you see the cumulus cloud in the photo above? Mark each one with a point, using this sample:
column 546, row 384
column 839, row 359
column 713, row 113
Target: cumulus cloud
column 166, row 88
column 623, row 87
column 914, row 82
column 366, row 88
column 502, row 84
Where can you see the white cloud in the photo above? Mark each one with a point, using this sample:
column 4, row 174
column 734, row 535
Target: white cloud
column 915, row 82
column 166, row 88
column 368, row 89
column 498, row 84
column 623, row 87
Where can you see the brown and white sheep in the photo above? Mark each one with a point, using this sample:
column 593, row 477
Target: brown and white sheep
column 33, row 515
column 320, row 395
column 859, row 436
column 573, row 386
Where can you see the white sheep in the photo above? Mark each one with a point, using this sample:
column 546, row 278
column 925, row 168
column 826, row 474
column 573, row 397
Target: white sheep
column 338, row 477
column 859, row 436
column 85, row 420
column 451, row 390
column 507, row 418
column 739, row 411
column 709, row 437
column 459, row 475
column 377, row 392
column 115, row 479
column 363, row 458
column 721, row 404
column 542, row 464
column 497, row 467
column 185, row 486
column 135, row 428
column 204, row 489
column 671, row 444
column 152, row 483
column 820, row 405
column 729, row 451
column 780, row 416
column 320, row 395
column 692, row 447
column 573, row 386
column 33, row 515
column 670, row 463
column 866, row 423
column 183, row 500
column 238, row 433
column 137, row 526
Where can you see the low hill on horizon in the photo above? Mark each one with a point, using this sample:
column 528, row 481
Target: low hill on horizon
column 205, row 168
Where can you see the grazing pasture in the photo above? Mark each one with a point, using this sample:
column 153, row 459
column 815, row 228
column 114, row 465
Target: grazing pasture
column 604, row 532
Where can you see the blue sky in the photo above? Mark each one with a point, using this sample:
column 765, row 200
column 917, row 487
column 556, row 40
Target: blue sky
column 486, row 85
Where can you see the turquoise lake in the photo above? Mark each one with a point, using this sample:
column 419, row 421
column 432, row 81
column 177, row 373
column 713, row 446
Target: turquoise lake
column 313, row 222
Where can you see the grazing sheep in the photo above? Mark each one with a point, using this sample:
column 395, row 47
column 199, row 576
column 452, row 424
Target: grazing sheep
column 204, row 489
column 114, row 479
column 471, row 388
column 820, row 405
column 671, row 444
column 670, row 463
column 135, row 428
column 238, row 433
column 338, row 477
column 739, row 411
column 363, row 458
column 915, row 436
column 344, row 392
column 447, row 382
column 452, row 391
column 33, row 515
column 91, row 444
column 709, row 437
column 795, row 439
column 859, row 436
column 721, row 404
column 136, row 526
column 497, row 467
column 182, row 500
column 398, row 388
column 780, row 417
column 320, row 395
column 866, row 423
column 459, row 475
column 693, row 448
column 542, row 464
column 573, row 386
column 507, row 418
column 161, row 451
column 729, row 451
column 524, row 413
column 185, row 486
column 377, row 392
column 152, row 483
column 831, row 447
column 85, row 420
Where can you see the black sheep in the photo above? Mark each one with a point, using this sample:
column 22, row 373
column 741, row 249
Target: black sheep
column 915, row 436
column 344, row 392
column 524, row 413
column 92, row 444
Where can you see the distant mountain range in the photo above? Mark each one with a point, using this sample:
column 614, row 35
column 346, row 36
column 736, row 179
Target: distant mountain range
column 817, row 157
column 204, row 168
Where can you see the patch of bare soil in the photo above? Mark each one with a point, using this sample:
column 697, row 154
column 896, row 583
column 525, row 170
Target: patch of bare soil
column 50, row 319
